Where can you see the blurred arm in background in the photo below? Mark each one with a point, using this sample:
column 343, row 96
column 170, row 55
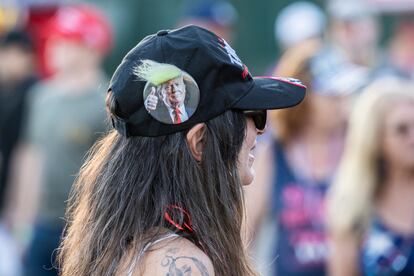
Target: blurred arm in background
column 23, row 196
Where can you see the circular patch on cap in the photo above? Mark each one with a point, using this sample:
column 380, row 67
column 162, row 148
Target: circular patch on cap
column 173, row 101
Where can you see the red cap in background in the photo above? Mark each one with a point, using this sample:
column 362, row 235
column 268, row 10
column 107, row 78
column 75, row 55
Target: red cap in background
column 82, row 23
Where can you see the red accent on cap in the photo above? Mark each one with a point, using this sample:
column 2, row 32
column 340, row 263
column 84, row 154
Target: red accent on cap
column 221, row 41
column 287, row 80
column 245, row 71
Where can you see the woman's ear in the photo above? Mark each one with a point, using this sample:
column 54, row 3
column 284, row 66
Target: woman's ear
column 195, row 140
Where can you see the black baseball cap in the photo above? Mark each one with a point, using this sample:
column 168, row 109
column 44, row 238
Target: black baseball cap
column 215, row 78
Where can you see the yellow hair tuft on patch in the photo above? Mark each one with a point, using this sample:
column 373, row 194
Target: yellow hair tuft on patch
column 155, row 72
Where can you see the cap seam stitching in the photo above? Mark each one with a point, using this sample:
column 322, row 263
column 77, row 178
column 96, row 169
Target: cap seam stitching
column 162, row 48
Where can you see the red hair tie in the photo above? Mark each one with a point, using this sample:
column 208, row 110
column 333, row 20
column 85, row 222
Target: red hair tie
column 186, row 226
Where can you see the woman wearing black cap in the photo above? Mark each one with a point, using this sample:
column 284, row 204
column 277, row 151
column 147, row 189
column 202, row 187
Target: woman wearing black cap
column 157, row 197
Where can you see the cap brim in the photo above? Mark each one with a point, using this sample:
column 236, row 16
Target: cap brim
column 272, row 93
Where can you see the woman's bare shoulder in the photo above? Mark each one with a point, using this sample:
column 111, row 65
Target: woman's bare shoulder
column 177, row 256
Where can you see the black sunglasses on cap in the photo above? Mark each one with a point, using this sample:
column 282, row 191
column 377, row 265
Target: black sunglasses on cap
column 259, row 117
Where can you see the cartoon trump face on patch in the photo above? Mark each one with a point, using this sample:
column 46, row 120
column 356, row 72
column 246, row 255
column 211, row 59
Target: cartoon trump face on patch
column 170, row 96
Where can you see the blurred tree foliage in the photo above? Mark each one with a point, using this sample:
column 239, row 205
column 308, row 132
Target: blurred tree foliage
column 254, row 38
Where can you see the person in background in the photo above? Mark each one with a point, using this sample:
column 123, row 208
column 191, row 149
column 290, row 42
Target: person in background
column 65, row 118
column 295, row 165
column 217, row 16
column 370, row 204
column 10, row 261
column 399, row 58
column 298, row 22
column 354, row 30
column 10, row 16
column 17, row 76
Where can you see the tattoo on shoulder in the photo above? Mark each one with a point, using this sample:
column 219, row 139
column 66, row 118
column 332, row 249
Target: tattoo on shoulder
column 176, row 266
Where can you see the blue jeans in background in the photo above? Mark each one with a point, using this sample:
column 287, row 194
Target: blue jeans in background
column 40, row 258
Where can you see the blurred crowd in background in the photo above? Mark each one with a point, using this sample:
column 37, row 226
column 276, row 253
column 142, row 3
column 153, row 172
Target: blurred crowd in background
column 334, row 186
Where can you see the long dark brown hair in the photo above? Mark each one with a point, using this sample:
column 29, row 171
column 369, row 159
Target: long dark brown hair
column 126, row 184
